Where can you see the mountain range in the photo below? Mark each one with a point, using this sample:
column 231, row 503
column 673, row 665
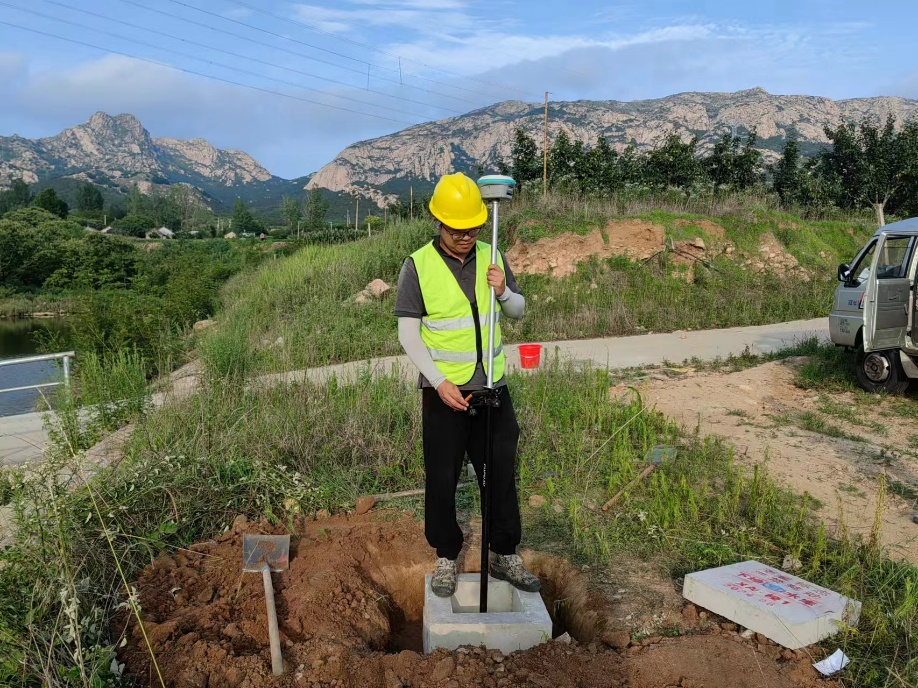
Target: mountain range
column 116, row 152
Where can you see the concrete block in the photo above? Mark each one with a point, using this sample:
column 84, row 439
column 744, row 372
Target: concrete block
column 786, row 609
column 515, row 620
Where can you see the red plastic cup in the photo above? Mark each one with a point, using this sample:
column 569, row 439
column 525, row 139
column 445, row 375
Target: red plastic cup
column 530, row 355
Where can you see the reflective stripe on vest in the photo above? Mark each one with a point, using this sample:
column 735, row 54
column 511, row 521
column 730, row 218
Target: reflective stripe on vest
column 448, row 328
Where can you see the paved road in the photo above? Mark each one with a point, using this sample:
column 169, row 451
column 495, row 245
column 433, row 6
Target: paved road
column 22, row 437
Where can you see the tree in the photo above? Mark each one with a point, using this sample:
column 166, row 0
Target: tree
column 17, row 196
column 50, row 201
column 291, row 212
column 136, row 202
column 316, row 209
column 872, row 165
column 526, row 163
column 673, row 164
column 787, row 174
column 88, row 197
column 727, row 165
column 563, row 158
column 134, row 225
column 602, row 161
column 244, row 222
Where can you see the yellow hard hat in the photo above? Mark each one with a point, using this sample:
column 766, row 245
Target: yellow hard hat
column 456, row 202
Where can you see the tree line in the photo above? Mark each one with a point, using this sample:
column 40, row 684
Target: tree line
column 865, row 165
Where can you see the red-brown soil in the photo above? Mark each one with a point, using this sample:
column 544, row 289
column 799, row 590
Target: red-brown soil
column 350, row 609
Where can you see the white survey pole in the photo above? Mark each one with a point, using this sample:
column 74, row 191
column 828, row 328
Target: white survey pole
column 492, row 311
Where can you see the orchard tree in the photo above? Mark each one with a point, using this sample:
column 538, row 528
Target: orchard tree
column 673, row 164
column 872, row 165
column 526, row 163
column 787, row 175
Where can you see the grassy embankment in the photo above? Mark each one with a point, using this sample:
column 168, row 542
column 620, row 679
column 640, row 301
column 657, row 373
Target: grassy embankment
column 190, row 468
column 302, row 301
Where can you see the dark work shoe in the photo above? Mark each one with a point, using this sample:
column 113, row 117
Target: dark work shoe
column 443, row 582
column 509, row 568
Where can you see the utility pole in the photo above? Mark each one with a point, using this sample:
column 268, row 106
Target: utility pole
column 545, row 151
column 369, row 235
column 348, row 217
column 411, row 202
column 357, row 213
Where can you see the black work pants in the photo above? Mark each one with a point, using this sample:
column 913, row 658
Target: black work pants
column 448, row 436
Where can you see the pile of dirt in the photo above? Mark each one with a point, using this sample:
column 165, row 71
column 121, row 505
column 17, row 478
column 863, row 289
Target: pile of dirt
column 350, row 609
column 773, row 257
column 558, row 256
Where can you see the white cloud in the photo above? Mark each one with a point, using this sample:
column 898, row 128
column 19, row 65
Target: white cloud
column 238, row 13
column 420, row 17
column 12, row 66
column 289, row 137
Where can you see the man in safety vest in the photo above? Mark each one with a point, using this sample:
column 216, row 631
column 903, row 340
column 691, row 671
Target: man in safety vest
column 442, row 309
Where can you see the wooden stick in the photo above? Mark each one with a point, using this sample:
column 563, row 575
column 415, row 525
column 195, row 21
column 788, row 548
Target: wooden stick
column 277, row 662
column 643, row 474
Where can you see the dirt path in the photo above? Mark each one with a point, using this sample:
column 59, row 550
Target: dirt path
column 763, row 413
column 350, row 609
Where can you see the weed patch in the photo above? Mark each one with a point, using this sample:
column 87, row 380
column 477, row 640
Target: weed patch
column 279, row 452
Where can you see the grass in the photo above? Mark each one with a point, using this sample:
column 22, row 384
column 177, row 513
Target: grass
column 189, row 469
column 84, row 532
column 298, row 312
column 24, row 305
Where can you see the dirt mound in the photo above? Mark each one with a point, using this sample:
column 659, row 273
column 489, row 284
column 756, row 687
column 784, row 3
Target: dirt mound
column 350, row 609
column 558, row 256
column 712, row 229
column 773, row 257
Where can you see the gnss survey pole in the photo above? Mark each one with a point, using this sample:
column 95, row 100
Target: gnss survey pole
column 494, row 188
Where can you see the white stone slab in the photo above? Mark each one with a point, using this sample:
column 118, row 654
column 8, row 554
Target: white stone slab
column 786, row 609
column 515, row 620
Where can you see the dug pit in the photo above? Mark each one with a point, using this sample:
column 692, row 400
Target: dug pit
column 350, row 608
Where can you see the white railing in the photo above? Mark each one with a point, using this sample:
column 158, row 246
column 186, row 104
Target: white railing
column 66, row 356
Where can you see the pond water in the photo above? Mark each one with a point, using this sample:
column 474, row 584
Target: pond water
column 20, row 338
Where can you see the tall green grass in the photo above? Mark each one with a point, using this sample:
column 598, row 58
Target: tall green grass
column 276, row 452
column 298, row 312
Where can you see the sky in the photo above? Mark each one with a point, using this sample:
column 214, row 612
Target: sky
column 294, row 83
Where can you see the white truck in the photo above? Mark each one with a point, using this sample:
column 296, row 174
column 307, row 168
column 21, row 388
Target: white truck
column 874, row 311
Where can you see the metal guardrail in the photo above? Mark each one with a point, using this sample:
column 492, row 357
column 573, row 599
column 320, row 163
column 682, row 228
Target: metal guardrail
column 66, row 356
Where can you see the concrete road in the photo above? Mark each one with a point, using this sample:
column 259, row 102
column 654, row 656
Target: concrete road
column 22, row 438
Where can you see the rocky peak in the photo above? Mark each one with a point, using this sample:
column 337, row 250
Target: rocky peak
column 419, row 154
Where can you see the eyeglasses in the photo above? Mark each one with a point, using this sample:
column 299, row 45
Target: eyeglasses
column 458, row 234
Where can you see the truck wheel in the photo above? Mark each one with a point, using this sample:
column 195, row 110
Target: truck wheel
column 880, row 371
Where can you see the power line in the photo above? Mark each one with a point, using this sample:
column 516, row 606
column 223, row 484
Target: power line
column 243, row 57
column 206, row 76
column 332, row 52
column 371, row 47
column 293, row 52
column 201, row 59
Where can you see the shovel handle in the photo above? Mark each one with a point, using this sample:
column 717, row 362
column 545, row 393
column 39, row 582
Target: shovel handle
column 277, row 662
column 643, row 474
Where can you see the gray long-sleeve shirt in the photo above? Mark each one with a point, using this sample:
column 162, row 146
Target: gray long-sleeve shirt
column 410, row 308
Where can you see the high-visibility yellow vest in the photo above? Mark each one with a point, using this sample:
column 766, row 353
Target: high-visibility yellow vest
column 448, row 329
